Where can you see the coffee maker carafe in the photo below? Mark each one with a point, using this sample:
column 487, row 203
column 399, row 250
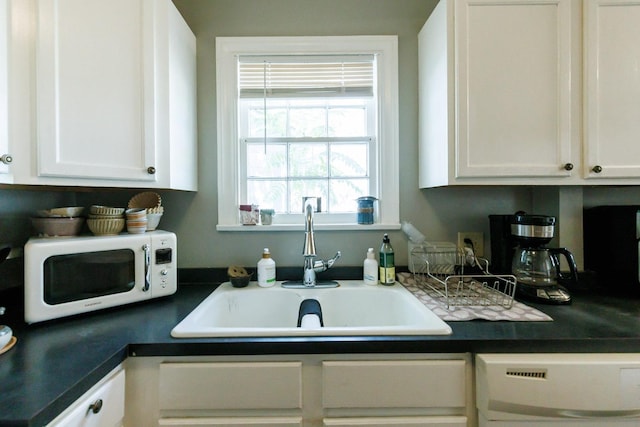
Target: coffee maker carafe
column 536, row 267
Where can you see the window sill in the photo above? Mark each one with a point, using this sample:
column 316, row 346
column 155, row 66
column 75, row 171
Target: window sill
column 300, row 227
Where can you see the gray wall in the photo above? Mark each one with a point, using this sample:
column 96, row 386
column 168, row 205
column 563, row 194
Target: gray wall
column 439, row 213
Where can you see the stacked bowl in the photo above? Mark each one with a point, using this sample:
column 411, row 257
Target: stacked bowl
column 136, row 220
column 58, row 222
column 151, row 203
column 105, row 220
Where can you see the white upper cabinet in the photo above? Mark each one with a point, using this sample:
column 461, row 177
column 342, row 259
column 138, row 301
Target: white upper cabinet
column 495, row 92
column 612, row 89
column 514, row 74
column 501, row 86
column 5, row 153
column 115, row 100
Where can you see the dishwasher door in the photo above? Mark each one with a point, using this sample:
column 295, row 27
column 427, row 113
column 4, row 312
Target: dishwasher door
column 560, row 390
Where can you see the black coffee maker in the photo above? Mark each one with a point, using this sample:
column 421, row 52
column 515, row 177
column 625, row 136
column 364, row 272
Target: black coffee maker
column 503, row 245
column 519, row 242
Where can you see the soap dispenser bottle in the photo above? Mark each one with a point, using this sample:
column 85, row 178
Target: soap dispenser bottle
column 370, row 275
column 266, row 270
column 387, row 263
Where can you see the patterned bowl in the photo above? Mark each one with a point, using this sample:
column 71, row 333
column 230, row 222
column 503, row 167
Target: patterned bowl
column 54, row 227
column 105, row 210
column 105, row 226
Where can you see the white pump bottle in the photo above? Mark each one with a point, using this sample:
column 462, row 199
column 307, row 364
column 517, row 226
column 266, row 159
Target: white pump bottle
column 266, row 270
column 370, row 275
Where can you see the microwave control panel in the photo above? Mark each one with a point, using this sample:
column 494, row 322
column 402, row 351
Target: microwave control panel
column 164, row 271
column 163, row 256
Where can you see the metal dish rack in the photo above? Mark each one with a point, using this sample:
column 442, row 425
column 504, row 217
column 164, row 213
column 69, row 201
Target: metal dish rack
column 439, row 269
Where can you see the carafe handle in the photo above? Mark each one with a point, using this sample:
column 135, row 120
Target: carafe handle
column 571, row 277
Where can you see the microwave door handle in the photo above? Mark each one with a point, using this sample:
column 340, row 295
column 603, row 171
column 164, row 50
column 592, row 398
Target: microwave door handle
column 147, row 267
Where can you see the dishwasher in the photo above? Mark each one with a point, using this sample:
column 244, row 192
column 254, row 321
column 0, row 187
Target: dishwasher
column 558, row 390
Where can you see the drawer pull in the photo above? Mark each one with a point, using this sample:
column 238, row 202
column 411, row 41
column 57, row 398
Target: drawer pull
column 597, row 169
column 568, row 166
column 96, row 406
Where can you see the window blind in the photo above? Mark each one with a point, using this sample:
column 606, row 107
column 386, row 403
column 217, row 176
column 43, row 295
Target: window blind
column 306, row 76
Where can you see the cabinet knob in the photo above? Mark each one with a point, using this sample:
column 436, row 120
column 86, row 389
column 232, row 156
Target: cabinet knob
column 96, row 406
column 597, row 169
column 568, row 166
column 151, row 170
column 6, row 159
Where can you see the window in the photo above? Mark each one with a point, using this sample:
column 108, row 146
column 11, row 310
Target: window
column 307, row 117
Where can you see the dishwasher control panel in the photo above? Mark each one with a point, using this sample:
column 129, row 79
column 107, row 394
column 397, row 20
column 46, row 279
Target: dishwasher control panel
column 547, row 389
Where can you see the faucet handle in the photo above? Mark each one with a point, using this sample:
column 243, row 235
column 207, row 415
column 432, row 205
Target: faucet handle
column 334, row 259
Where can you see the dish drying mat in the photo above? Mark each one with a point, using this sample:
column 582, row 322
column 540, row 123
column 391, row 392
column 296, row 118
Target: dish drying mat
column 518, row 312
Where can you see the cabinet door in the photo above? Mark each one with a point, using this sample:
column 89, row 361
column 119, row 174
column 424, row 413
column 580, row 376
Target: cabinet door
column 446, row 421
column 102, row 406
column 228, row 385
column 232, row 421
column 5, row 155
column 95, row 89
column 513, row 88
column 612, row 85
column 394, row 384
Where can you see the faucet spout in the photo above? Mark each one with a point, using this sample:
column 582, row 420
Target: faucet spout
column 309, row 249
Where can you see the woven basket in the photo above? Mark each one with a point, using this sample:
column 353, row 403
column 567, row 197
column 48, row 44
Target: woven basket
column 147, row 199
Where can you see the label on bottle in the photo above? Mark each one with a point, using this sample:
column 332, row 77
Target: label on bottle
column 387, row 269
column 369, row 277
column 270, row 275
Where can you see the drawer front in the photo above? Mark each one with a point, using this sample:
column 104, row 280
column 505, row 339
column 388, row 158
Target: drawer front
column 235, row 422
column 393, row 384
column 259, row 385
column 397, row 421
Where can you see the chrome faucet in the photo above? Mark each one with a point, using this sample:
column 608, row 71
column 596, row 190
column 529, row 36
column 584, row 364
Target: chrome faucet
column 311, row 265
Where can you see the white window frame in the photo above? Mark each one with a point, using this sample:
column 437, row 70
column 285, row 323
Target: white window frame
column 228, row 145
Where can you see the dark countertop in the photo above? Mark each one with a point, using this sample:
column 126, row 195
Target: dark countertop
column 54, row 363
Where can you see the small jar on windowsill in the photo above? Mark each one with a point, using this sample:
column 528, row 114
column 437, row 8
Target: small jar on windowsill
column 266, row 216
column 249, row 214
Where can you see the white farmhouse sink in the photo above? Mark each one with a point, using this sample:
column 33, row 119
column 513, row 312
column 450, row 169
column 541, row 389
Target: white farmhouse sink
column 353, row 308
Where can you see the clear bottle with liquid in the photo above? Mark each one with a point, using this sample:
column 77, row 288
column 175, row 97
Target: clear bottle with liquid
column 387, row 262
column 266, row 270
column 370, row 272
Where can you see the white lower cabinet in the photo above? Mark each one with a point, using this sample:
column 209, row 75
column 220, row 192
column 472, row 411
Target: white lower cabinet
column 397, row 385
column 452, row 421
column 232, row 421
column 101, row 406
column 305, row 390
column 393, row 384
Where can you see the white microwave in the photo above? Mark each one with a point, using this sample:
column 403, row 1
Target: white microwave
column 73, row 275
